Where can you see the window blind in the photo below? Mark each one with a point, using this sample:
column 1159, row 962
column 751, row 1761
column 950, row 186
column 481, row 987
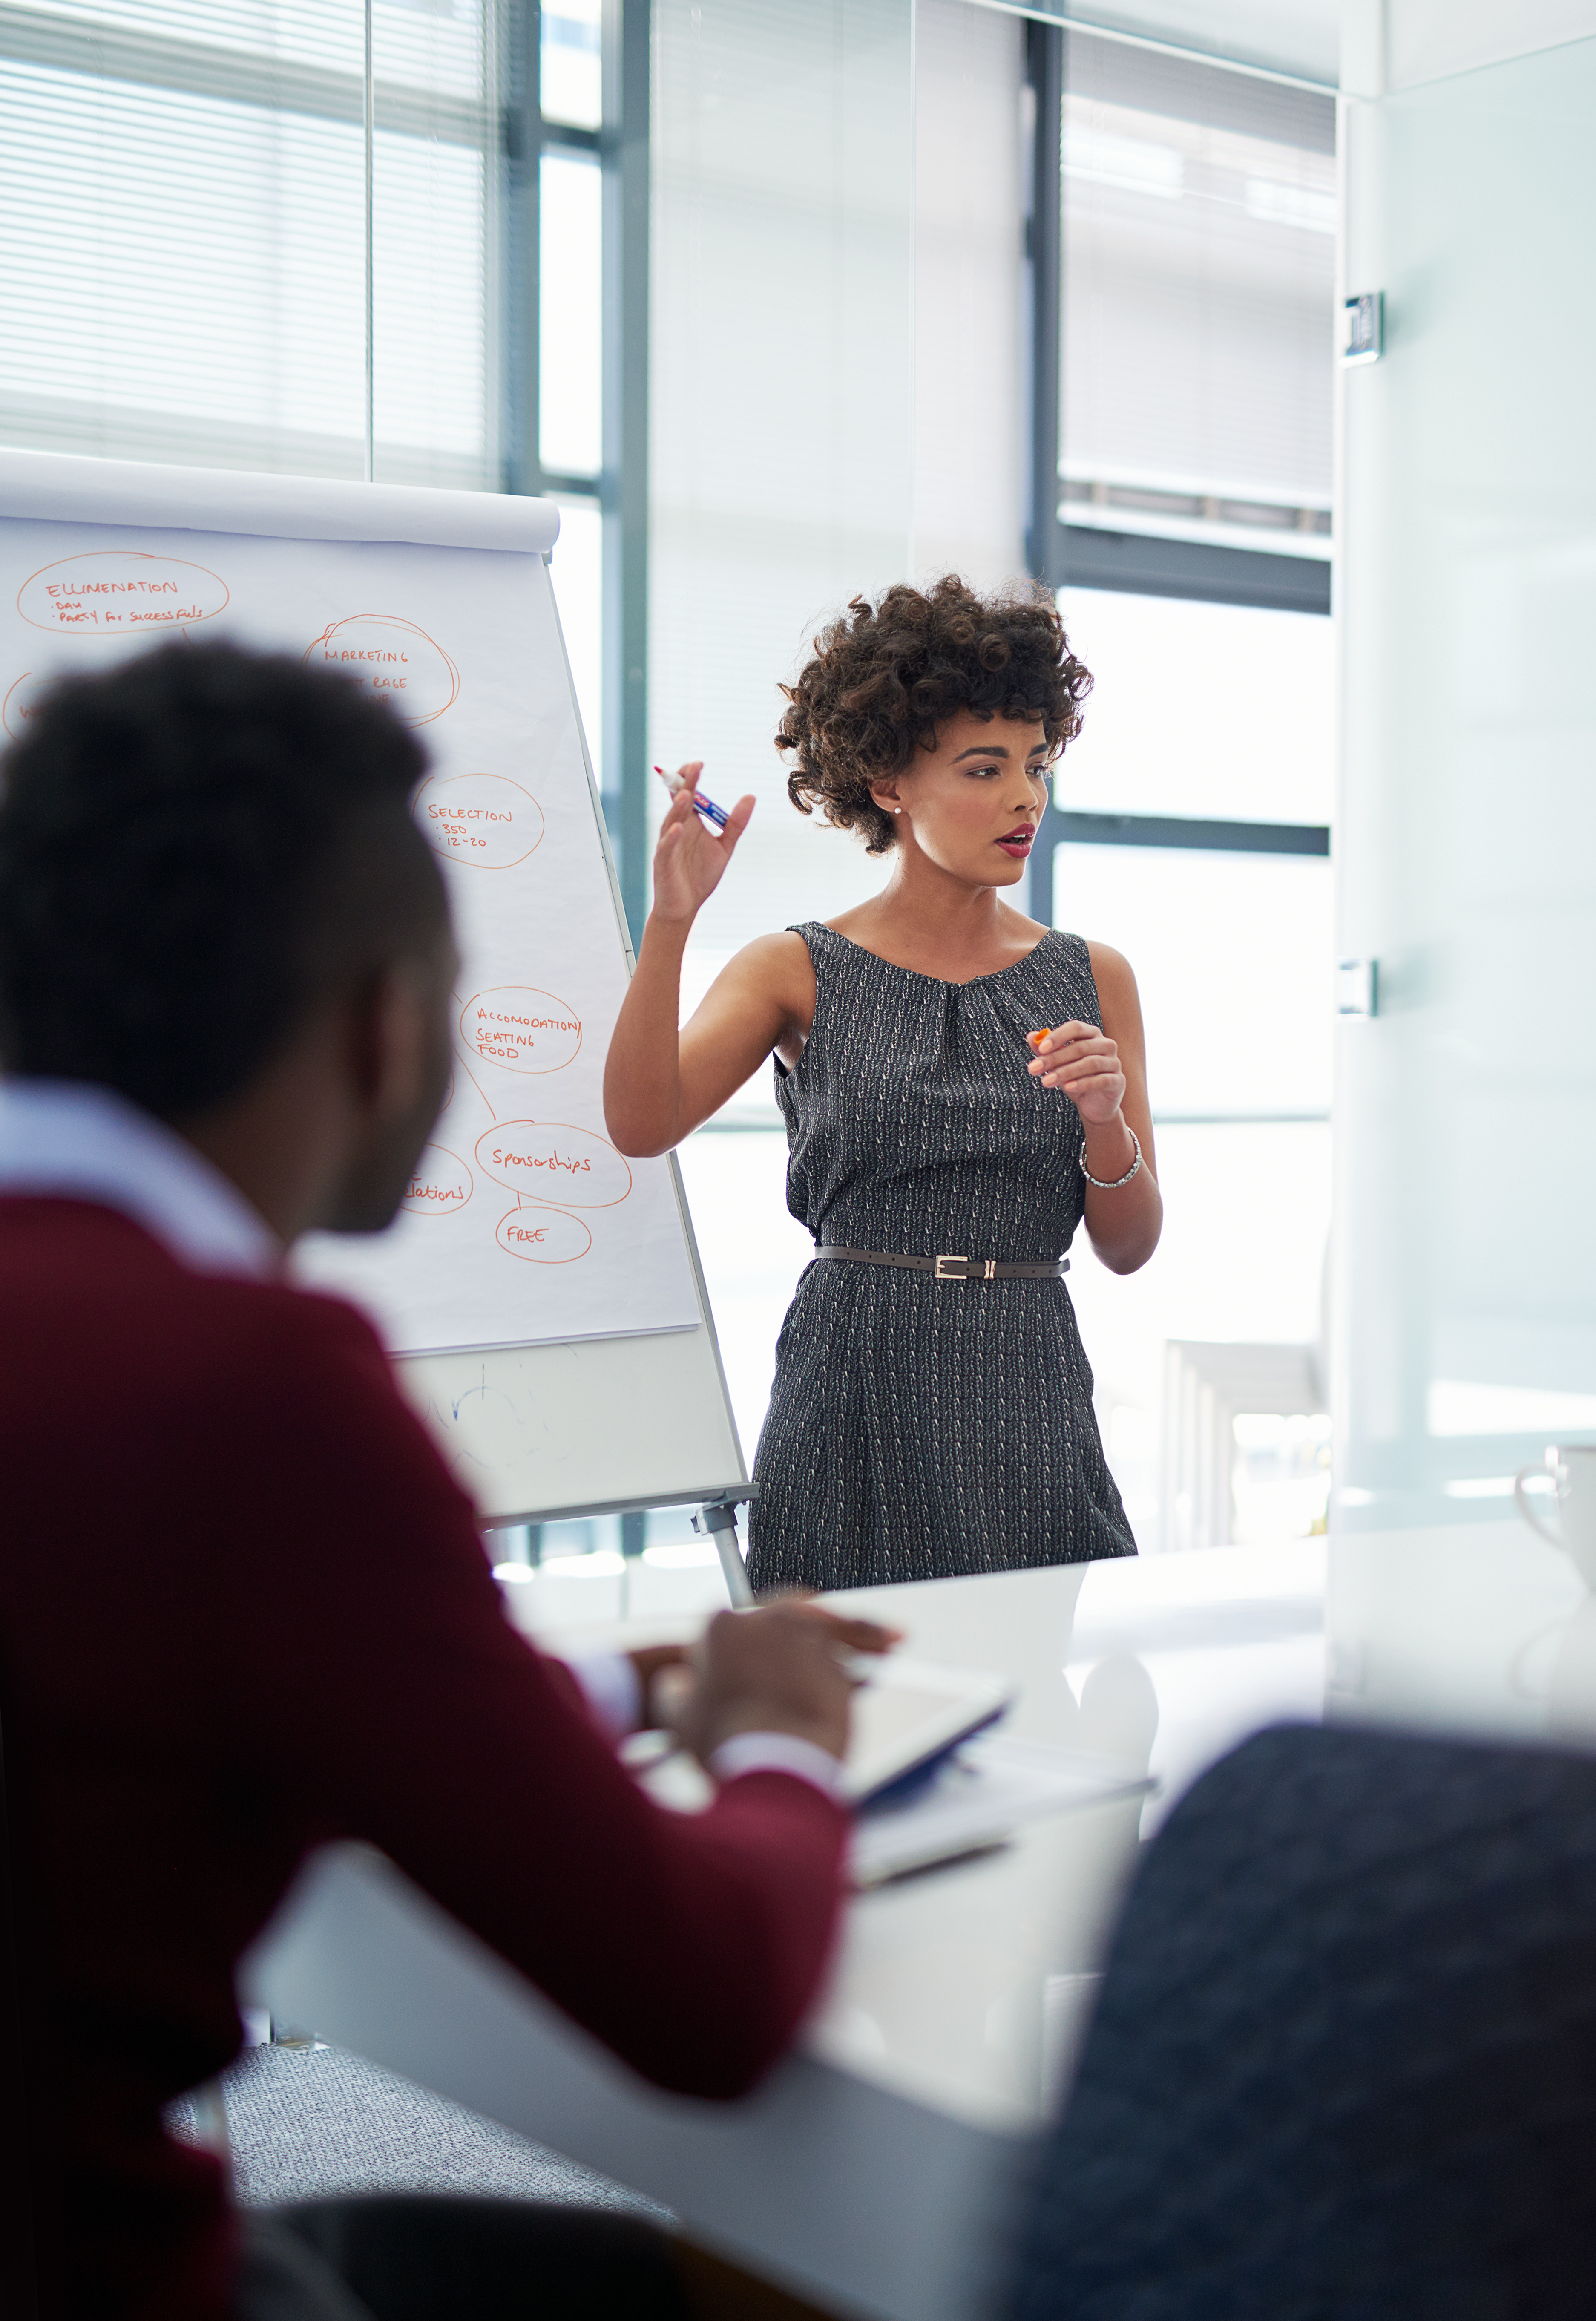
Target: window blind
column 182, row 234
column 1197, row 314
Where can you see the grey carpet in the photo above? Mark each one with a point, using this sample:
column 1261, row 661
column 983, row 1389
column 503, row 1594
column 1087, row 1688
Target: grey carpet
column 303, row 2123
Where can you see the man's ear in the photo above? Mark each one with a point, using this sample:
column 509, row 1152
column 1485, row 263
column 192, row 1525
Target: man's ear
column 387, row 1038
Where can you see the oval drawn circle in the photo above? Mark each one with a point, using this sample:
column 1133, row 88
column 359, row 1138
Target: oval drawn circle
column 515, row 1024
column 551, row 1160
column 394, row 658
column 485, row 820
column 125, row 591
column 440, row 1184
column 19, row 704
column 542, row 1236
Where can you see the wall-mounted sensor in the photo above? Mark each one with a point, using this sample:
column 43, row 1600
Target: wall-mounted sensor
column 1364, row 336
column 1357, row 987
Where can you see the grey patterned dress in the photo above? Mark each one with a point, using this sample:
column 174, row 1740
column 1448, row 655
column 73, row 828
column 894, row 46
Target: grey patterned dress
column 919, row 1428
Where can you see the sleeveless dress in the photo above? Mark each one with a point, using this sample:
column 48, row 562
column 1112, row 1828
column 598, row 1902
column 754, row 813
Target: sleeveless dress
column 921, row 1428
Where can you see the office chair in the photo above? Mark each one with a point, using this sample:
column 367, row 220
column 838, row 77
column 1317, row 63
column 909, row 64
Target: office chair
column 1344, row 2063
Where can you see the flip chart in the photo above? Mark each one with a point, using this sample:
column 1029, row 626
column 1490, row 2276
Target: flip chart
column 524, row 1233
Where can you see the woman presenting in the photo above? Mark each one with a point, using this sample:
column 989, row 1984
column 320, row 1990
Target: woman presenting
column 961, row 1086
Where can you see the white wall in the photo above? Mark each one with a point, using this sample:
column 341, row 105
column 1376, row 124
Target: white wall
column 1428, row 40
column 1466, row 1111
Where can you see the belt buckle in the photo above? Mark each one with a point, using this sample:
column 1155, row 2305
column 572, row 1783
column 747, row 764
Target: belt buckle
column 943, row 1262
column 977, row 1268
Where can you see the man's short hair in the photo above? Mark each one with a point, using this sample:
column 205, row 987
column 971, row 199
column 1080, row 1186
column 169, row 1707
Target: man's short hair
column 197, row 847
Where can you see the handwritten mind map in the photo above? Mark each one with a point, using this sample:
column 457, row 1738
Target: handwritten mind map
column 519, row 1187
column 394, row 657
column 482, row 820
column 522, row 1223
column 118, row 592
column 525, row 1031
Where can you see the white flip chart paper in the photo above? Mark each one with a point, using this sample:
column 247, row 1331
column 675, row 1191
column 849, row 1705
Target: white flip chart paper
column 522, row 1223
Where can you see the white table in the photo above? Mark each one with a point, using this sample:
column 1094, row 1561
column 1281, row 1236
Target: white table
column 874, row 2170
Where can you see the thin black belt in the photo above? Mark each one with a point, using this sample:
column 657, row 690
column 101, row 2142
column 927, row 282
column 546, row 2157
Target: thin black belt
column 953, row 1269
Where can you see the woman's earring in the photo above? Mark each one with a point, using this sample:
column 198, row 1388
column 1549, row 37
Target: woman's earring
column 897, row 809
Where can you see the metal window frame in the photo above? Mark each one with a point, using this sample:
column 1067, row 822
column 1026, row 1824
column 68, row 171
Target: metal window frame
column 1089, row 556
column 1183, row 830
column 1145, row 564
column 620, row 490
column 621, row 148
column 623, row 489
column 525, row 138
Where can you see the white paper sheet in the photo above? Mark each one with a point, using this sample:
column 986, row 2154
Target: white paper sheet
column 994, row 1786
column 523, row 1223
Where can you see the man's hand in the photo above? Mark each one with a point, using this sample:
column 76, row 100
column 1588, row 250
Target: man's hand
column 779, row 1668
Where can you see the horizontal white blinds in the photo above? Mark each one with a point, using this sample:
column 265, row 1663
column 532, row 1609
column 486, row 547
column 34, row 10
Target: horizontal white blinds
column 1198, row 238
column 183, row 239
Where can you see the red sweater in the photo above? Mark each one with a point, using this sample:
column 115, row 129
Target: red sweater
column 244, row 1608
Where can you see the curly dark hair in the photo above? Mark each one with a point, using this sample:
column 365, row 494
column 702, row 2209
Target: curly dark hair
column 884, row 676
column 196, row 846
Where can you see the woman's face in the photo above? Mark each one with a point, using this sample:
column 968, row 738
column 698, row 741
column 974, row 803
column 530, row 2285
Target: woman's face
column 972, row 802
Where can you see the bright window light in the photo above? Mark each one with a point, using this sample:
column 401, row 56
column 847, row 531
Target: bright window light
column 602, row 1563
column 1125, row 161
column 577, row 573
column 571, row 66
column 1459, row 1406
column 1299, row 206
column 570, row 321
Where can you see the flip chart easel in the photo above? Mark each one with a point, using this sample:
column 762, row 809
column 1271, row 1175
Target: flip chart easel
column 542, row 1295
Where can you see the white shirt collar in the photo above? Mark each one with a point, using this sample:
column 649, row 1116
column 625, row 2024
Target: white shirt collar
column 71, row 1140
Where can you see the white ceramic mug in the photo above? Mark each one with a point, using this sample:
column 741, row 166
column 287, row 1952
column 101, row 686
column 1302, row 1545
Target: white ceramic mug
column 1572, row 1467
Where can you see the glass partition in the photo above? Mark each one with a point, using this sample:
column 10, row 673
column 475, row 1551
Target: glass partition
column 1467, row 1107
column 781, row 380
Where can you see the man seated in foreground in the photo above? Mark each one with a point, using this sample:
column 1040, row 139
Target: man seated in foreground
column 243, row 1607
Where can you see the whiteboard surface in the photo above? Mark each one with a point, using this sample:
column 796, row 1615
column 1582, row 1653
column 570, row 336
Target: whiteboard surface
column 523, row 1232
column 554, row 1431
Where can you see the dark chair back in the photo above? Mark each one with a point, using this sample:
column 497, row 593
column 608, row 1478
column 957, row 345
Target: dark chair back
column 1344, row 2063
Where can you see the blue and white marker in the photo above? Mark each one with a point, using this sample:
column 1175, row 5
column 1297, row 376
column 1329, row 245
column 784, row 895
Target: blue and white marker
column 712, row 814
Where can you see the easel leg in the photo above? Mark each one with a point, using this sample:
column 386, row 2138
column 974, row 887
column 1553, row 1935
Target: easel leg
column 720, row 1523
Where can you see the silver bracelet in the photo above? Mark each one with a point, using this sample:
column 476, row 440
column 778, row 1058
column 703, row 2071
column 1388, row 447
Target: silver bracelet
column 1113, row 1184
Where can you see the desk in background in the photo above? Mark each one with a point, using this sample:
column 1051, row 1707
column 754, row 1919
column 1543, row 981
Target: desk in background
column 875, row 2168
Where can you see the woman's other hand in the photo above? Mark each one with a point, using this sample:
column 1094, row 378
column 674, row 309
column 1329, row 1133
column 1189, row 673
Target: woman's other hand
column 689, row 859
column 1084, row 1064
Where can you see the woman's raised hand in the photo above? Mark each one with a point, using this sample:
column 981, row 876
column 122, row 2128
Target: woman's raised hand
column 1084, row 1064
column 690, row 857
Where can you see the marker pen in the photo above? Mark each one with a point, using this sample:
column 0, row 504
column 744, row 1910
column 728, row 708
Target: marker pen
column 711, row 813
